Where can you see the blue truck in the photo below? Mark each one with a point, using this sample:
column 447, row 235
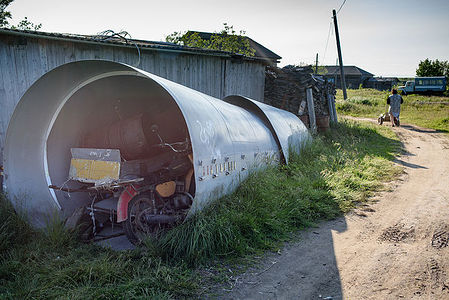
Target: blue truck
column 425, row 85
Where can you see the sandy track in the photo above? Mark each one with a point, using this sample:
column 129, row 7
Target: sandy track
column 394, row 248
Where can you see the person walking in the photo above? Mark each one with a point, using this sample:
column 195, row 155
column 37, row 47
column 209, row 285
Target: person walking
column 394, row 100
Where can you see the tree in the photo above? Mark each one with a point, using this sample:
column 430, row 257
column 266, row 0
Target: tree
column 25, row 24
column 225, row 40
column 428, row 67
column 4, row 15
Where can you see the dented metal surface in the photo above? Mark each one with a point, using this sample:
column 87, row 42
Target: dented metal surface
column 227, row 140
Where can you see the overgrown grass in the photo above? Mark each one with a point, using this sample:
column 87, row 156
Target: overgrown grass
column 420, row 110
column 52, row 264
column 14, row 230
column 333, row 173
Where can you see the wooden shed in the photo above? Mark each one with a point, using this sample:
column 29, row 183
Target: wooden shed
column 27, row 55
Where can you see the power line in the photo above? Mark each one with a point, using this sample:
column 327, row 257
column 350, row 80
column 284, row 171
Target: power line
column 327, row 41
column 341, row 6
column 330, row 30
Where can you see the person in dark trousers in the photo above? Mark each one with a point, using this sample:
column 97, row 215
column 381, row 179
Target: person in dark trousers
column 394, row 100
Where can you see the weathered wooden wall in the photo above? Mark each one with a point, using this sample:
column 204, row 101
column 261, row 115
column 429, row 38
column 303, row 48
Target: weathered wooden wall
column 24, row 59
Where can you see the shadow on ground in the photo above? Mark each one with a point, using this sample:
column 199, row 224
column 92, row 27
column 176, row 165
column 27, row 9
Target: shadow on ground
column 304, row 269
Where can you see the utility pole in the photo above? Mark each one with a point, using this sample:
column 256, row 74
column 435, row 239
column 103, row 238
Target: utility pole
column 316, row 64
column 342, row 73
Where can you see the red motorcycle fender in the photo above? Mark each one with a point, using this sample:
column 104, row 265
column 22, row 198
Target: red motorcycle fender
column 122, row 205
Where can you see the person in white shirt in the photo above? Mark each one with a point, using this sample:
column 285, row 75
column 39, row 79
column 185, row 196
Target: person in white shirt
column 394, row 100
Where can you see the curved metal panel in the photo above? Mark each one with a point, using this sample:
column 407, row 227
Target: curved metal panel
column 25, row 159
column 227, row 141
column 288, row 129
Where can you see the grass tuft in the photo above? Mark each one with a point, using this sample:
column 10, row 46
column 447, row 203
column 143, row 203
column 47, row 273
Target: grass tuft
column 55, row 233
column 14, row 230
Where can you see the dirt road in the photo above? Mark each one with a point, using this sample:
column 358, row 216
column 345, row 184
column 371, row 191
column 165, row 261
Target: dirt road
column 393, row 248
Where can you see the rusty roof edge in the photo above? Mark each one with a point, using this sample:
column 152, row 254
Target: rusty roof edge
column 162, row 47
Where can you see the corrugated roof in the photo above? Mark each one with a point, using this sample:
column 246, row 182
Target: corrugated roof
column 117, row 41
column 349, row 70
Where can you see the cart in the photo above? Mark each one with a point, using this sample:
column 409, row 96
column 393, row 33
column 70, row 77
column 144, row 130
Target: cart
column 386, row 117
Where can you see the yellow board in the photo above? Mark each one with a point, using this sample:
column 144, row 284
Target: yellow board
column 87, row 170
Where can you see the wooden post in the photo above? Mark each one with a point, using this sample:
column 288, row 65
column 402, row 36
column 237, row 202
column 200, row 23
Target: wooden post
column 332, row 109
column 311, row 109
column 340, row 58
column 316, row 64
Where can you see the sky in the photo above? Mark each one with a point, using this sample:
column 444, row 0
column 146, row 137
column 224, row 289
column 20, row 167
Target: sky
column 383, row 37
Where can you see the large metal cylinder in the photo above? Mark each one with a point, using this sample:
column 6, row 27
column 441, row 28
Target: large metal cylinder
column 228, row 138
column 130, row 135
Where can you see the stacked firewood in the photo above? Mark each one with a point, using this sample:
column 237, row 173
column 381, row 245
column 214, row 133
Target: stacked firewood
column 286, row 89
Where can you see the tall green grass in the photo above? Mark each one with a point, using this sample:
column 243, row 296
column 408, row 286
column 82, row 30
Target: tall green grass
column 14, row 230
column 333, row 173
column 51, row 264
column 421, row 110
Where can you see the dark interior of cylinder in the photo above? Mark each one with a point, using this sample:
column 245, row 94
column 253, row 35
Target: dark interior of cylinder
column 129, row 113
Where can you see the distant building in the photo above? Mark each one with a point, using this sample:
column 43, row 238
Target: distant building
column 381, row 83
column 354, row 76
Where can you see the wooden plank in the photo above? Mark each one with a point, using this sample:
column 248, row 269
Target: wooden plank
column 332, row 110
column 311, row 109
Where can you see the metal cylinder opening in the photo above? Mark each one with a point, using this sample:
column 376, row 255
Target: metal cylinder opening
column 116, row 112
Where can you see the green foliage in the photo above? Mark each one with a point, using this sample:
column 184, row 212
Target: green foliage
column 25, row 24
column 55, row 233
column 14, row 230
column 47, row 265
column 4, row 15
column 225, row 40
column 429, row 68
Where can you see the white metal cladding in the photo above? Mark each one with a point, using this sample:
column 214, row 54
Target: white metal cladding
column 227, row 140
column 289, row 131
column 24, row 59
column 25, row 160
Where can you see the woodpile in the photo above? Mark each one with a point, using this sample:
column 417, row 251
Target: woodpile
column 286, row 89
